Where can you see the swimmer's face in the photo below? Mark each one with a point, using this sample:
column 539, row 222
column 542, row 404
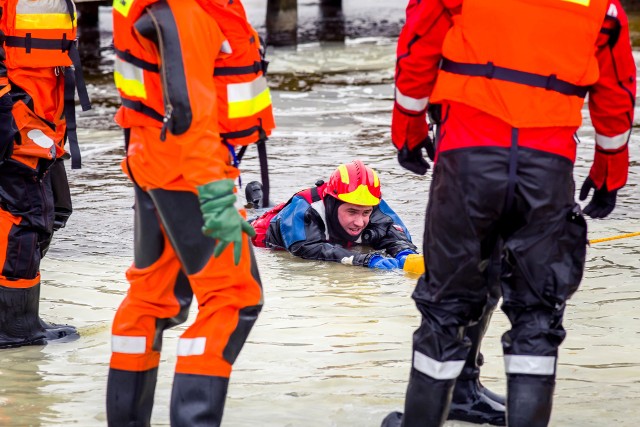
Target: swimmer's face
column 354, row 218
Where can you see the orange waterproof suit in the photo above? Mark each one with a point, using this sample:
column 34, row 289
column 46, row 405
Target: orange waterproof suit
column 39, row 41
column 510, row 77
column 165, row 56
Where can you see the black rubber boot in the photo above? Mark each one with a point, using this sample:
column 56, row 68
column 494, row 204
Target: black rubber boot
column 19, row 321
column 59, row 333
column 471, row 401
column 530, row 399
column 198, row 400
column 394, row 419
column 130, row 397
column 427, row 401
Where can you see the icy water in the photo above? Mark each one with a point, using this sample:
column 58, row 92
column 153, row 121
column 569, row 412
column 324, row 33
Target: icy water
column 332, row 345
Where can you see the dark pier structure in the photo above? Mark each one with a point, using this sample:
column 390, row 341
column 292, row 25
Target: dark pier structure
column 281, row 22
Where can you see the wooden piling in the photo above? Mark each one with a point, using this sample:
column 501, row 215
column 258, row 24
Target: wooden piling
column 331, row 26
column 282, row 22
column 89, row 33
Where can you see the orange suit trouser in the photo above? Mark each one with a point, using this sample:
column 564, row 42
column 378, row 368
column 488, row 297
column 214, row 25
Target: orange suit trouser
column 172, row 262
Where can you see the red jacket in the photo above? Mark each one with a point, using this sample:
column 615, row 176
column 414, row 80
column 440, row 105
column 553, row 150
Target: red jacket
column 549, row 114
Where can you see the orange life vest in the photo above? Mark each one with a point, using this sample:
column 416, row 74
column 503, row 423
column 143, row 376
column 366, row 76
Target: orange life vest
column 245, row 112
column 38, row 34
column 40, row 48
column 136, row 70
column 529, row 63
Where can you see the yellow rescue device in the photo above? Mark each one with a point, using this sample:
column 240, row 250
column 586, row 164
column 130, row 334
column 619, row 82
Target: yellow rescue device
column 414, row 263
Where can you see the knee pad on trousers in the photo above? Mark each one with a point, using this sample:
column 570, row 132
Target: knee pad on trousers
column 246, row 319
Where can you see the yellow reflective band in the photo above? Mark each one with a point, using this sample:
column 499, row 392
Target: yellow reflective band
column 360, row 196
column 122, row 6
column 129, row 87
column 248, row 108
column 44, row 21
column 129, row 79
column 344, row 174
column 580, row 2
column 376, row 181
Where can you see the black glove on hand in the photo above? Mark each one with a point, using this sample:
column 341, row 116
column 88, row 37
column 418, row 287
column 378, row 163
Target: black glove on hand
column 7, row 127
column 602, row 202
column 413, row 159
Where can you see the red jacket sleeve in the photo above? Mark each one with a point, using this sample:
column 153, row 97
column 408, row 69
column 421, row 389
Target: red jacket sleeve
column 612, row 100
column 418, row 55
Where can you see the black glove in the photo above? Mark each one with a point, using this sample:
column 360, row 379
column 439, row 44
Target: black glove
column 413, row 159
column 8, row 128
column 602, row 202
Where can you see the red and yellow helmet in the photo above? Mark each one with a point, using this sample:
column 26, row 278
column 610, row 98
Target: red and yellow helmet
column 355, row 183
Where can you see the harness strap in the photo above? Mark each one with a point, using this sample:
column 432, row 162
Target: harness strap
column 70, row 116
column 491, row 71
column 28, row 43
column 140, row 63
column 241, row 133
column 143, row 109
column 254, row 68
column 80, row 85
column 264, row 170
column 315, row 196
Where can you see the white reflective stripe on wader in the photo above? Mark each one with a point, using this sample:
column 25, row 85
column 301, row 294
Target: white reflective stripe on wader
column 128, row 345
column 612, row 142
column 435, row 369
column 409, row 103
column 531, row 365
column 191, row 346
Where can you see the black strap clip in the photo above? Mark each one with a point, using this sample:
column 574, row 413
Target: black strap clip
column 490, row 70
column 552, row 81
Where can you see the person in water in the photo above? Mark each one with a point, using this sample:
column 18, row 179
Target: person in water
column 325, row 222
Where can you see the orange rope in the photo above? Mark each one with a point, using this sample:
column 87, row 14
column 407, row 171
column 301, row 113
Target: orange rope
column 621, row 236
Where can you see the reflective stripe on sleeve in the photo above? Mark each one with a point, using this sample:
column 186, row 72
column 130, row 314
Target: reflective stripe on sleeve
column 42, row 7
column 129, row 79
column 191, row 346
column 612, row 142
column 44, row 21
column 531, row 365
column 435, row 369
column 411, row 104
column 128, row 345
column 247, row 99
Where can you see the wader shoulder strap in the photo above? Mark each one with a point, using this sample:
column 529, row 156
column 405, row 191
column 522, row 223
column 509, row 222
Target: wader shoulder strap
column 315, row 196
column 72, row 81
column 264, row 170
column 491, row 71
column 70, row 116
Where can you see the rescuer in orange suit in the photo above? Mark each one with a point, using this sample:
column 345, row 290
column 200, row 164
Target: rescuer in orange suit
column 189, row 237
column 37, row 84
column 506, row 80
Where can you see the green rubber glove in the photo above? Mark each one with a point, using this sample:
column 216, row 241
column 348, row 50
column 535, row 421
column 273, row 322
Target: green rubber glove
column 222, row 221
